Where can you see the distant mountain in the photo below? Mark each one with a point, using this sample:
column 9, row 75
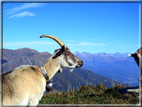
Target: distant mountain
column 120, row 55
column 115, row 66
column 43, row 56
column 23, row 56
column 9, row 54
column 62, row 82
column 24, row 60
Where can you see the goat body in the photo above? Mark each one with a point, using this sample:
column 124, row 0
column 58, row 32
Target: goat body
column 22, row 86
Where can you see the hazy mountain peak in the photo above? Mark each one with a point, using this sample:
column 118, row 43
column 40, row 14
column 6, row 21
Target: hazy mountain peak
column 76, row 52
column 26, row 49
column 86, row 53
column 103, row 53
column 118, row 53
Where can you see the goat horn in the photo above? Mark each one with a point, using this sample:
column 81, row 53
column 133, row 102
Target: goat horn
column 55, row 38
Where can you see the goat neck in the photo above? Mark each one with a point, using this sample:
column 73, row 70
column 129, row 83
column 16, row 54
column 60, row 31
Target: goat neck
column 51, row 67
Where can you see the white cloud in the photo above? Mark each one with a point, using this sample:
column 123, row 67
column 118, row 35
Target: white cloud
column 126, row 46
column 24, row 44
column 69, row 40
column 23, row 14
column 44, row 43
column 136, row 45
column 71, row 44
column 87, row 44
column 24, row 6
column 14, row 11
column 129, row 45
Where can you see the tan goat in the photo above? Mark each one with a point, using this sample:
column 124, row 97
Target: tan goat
column 25, row 85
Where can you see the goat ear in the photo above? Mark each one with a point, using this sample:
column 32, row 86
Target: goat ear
column 62, row 49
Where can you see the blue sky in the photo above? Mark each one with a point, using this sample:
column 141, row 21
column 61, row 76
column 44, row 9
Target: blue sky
column 84, row 27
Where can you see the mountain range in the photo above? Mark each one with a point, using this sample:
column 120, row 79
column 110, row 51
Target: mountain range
column 97, row 68
column 117, row 66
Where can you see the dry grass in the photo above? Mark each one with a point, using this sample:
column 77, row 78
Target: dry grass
column 91, row 95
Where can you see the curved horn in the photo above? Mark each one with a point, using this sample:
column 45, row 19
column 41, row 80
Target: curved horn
column 55, row 38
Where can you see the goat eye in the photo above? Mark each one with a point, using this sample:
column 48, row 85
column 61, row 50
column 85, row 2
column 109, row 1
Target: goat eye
column 68, row 53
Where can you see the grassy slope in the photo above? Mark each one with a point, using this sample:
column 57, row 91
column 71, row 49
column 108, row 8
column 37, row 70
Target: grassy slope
column 91, row 95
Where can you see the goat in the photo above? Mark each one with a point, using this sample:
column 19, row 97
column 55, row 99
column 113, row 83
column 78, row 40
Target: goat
column 25, row 85
column 138, row 58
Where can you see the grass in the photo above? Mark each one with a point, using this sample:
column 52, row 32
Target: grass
column 91, row 95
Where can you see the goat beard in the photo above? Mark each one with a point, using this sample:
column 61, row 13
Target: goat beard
column 71, row 69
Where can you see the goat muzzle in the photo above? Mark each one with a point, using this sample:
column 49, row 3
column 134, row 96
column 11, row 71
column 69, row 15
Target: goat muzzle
column 80, row 63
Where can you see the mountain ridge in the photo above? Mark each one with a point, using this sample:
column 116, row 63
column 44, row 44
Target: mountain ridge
column 62, row 81
column 117, row 66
